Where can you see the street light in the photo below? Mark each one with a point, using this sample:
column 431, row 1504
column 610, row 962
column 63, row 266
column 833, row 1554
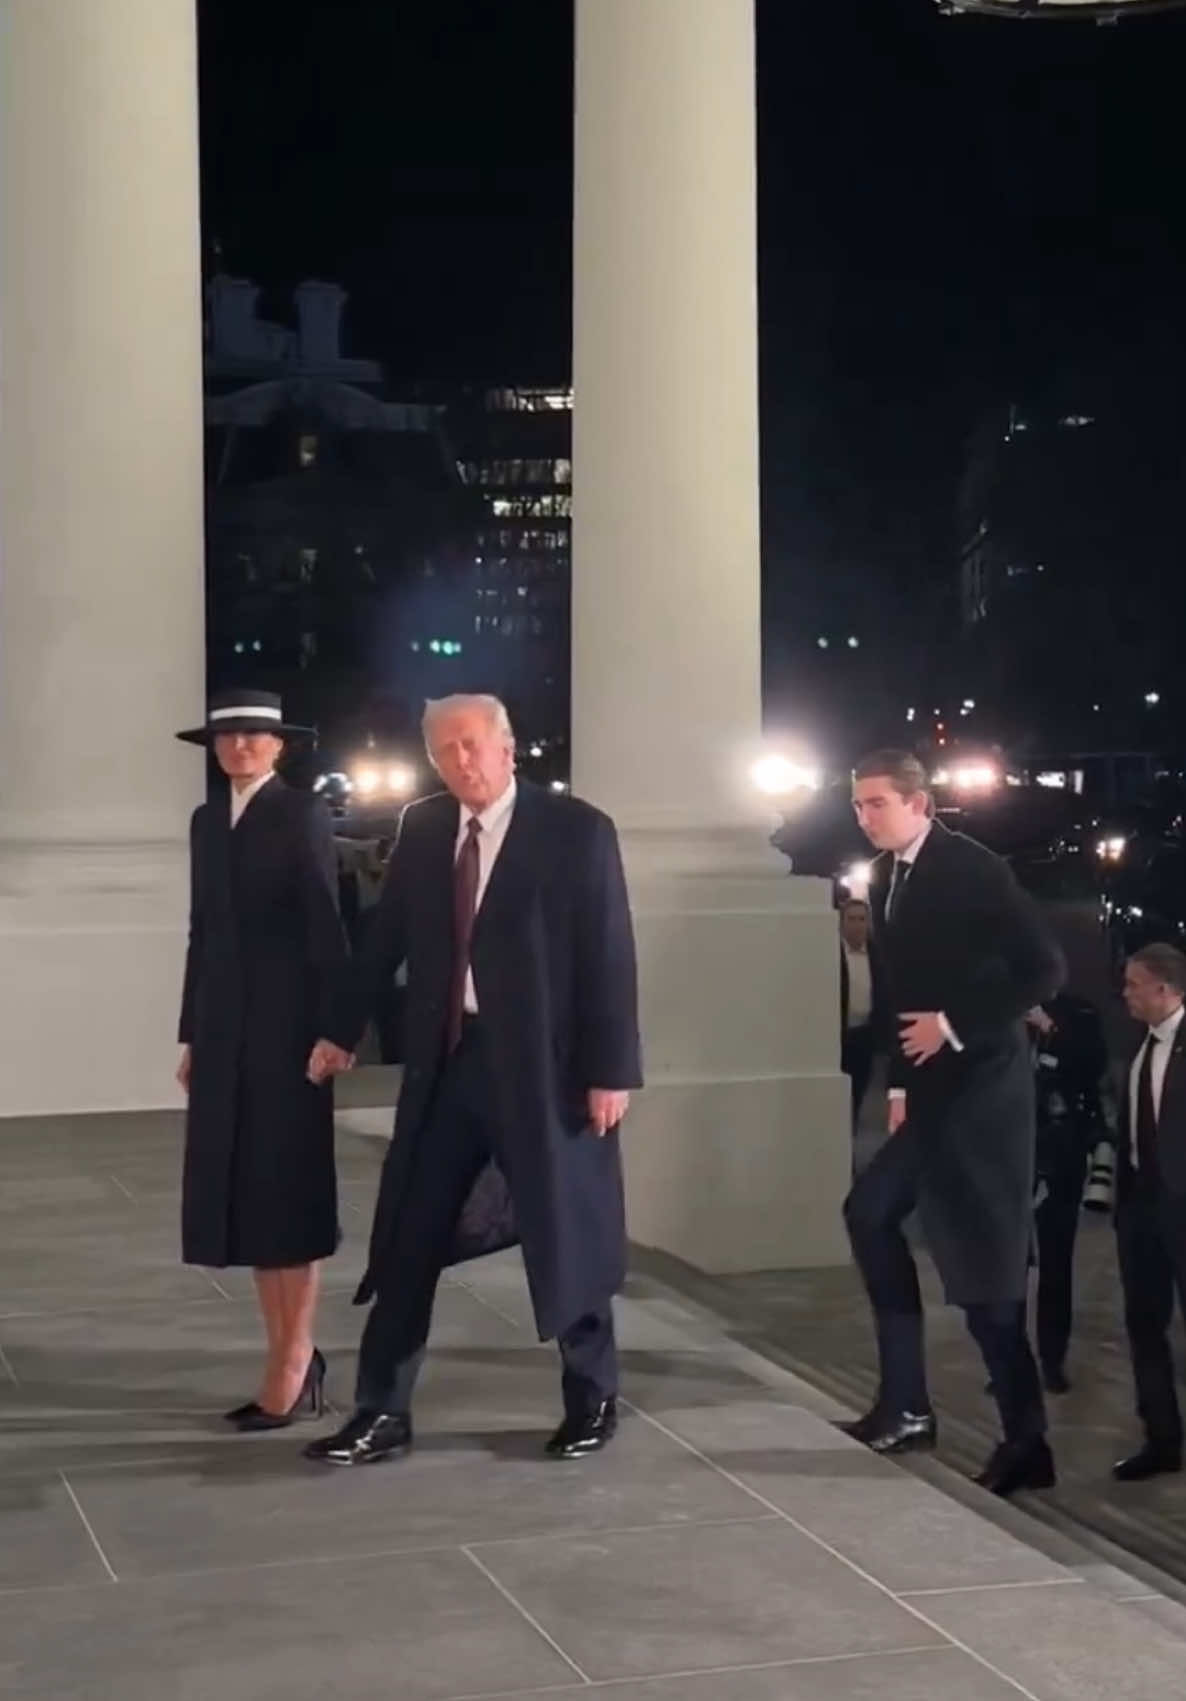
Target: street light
column 779, row 776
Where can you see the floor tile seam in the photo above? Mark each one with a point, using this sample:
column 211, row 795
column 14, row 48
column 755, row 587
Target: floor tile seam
column 88, row 1527
column 526, row 1615
column 994, row 1588
column 606, row 1684
column 843, row 1559
column 419, row 1550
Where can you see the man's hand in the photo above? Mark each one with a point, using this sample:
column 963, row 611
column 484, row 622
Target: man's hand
column 1040, row 1020
column 922, row 1035
column 897, row 1111
column 184, row 1067
column 327, row 1059
column 606, row 1110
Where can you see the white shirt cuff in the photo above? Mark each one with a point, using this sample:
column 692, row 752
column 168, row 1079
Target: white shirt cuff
column 949, row 1033
column 897, row 1093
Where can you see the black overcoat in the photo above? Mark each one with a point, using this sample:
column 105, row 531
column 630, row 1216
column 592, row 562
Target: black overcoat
column 263, row 977
column 554, row 970
column 964, row 939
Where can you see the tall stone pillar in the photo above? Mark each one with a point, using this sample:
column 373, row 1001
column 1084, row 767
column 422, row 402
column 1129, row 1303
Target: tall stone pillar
column 101, row 576
column 738, row 1154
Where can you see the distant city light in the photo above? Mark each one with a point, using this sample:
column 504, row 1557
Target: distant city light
column 909, row 714
column 1152, row 698
column 536, row 751
column 1095, row 708
column 969, row 703
column 559, row 785
column 822, row 643
column 854, row 643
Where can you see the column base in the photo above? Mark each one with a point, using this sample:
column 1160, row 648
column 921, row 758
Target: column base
column 738, row 1153
column 92, row 941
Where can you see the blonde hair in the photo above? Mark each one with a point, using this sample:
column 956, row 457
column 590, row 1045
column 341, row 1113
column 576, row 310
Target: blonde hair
column 439, row 708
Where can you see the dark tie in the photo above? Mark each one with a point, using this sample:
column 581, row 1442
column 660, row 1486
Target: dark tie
column 466, row 873
column 1146, row 1116
column 897, row 882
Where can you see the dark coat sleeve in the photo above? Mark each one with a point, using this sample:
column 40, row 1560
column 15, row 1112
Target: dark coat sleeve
column 384, row 950
column 193, row 955
column 1027, row 966
column 608, row 1050
column 325, row 941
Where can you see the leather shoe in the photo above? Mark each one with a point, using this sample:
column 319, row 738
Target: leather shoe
column 585, row 1432
column 894, row 1432
column 364, row 1439
column 1018, row 1464
column 1149, row 1461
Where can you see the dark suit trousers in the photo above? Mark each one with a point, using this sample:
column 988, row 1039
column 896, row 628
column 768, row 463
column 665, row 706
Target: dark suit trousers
column 1151, row 1239
column 1057, row 1222
column 459, row 1138
column 856, row 1061
column 882, row 1197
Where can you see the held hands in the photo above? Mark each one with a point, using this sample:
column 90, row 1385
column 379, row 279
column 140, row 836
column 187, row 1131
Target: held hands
column 922, row 1035
column 326, row 1060
column 184, row 1067
column 606, row 1110
column 897, row 1111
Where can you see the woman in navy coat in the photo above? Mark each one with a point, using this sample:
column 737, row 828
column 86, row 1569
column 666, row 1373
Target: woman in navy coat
column 262, row 976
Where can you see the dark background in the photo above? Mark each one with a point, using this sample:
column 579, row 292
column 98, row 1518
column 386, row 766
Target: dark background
column 952, row 213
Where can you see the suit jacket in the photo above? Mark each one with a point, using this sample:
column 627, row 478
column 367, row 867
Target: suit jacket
column 554, row 970
column 1171, row 1127
column 965, row 940
column 844, row 984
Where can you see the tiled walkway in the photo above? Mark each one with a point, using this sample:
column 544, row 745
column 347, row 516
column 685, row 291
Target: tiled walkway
column 730, row 1546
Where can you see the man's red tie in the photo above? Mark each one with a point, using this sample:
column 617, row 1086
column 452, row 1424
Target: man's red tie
column 466, row 871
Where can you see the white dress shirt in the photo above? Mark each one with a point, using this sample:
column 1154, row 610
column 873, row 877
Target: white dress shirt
column 860, row 987
column 240, row 799
column 494, row 823
column 1165, row 1034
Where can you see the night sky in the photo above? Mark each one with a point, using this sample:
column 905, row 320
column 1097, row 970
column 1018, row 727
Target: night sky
column 951, row 210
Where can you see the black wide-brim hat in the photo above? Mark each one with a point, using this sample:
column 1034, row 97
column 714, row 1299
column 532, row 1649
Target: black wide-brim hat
column 244, row 711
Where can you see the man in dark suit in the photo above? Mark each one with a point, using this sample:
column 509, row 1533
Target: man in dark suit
column 1070, row 1059
column 508, row 906
column 1151, row 1200
column 963, row 955
column 856, row 1000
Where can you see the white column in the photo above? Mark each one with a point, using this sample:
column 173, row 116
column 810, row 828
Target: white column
column 101, row 598
column 738, row 1155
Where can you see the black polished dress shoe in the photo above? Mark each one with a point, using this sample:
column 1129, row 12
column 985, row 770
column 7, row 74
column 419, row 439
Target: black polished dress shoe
column 586, row 1432
column 365, row 1439
column 894, row 1432
column 1150, row 1461
column 1018, row 1464
column 310, row 1402
column 1055, row 1379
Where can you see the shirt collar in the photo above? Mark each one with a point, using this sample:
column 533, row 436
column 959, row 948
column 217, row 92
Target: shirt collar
column 1167, row 1029
column 240, row 799
column 498, row 811
column 910, row 855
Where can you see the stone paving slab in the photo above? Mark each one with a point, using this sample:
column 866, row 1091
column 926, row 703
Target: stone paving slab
column 730, row 1546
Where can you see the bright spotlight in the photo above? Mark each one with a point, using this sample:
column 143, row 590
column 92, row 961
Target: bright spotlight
column 778, row 776
column 367, row 780
column 401, row 781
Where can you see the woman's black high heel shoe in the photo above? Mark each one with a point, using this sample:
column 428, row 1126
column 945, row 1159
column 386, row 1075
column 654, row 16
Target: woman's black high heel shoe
column 310, row 1402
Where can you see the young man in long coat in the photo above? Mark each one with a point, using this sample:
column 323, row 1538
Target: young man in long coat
column 508, row 906
column 963, row 956
column 263, row 977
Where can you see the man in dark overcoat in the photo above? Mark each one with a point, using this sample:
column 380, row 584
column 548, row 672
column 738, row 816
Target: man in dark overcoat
column 963, row 955
column 508, row 906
